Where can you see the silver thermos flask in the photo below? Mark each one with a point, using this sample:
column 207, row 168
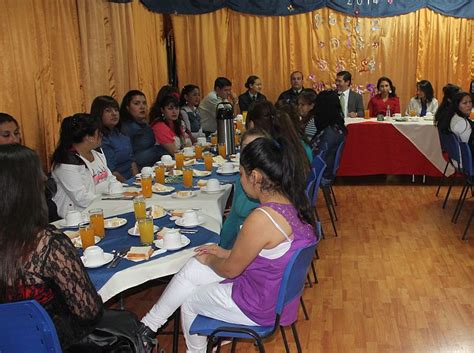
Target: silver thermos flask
column 225, row 126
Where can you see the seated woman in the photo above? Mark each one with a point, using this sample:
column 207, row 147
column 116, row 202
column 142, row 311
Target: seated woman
column 80, row 172
column 330, row 130
column 253, row 93
column 116, row 146
column 424, row 101
column 134, row 124
column 239, row 285
column 189, row 103
column 385, row 100
column 36, row 261
column 306, row 101
column 168, row 127
column 460, row 123
column 9, row 129
column 443, row 114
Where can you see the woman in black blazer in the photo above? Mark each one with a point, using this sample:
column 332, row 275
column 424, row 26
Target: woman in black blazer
column 254, row 87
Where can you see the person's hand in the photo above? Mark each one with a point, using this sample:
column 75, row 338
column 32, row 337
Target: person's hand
column 203, row 258
column 212, row 249
column 233, row 97
column 352, row 115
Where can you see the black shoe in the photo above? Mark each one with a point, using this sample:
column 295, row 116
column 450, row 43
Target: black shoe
column 148, row 336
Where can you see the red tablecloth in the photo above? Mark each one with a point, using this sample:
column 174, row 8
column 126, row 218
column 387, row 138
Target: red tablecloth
column 375, row 148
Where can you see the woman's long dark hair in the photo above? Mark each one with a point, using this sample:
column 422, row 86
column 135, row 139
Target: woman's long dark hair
column 23, row 211
column 185, row 91
column 454, row 108
column 443, row 114
column 426, row 87
column 73, row 130
column 124, row 113
column 392, row 87
column 7, row 118
column 99, row 104
column 251, row 80
column 157, row 114
column 281, row 167
column 327, row 111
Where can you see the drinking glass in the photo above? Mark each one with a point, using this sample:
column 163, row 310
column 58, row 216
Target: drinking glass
column 412, row 112
column 222, row 150
column 208, row 161
column 139, row 206
column 160, row 173
column 96, row 217
column 146, row 185
column 198, row 151
column 214, row 139
column 86, row 233
column 188, row 178
column 179, row 158
column 145, row 227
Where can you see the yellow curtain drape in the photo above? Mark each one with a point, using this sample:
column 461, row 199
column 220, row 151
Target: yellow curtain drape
column 57, row 55
column 406, row 48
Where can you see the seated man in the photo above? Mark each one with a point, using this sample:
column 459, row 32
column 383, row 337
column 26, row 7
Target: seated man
column 207, row 109
column 291, row 96
column 351, row 102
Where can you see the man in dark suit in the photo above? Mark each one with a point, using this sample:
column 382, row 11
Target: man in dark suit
column 351, row 102
column 291, row 96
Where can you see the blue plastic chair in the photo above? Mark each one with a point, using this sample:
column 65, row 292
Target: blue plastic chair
column 451, row 142
column 443, row 141
column 467, row 170
column 318, row 166
column 337, row 161
column 292, row 286
column 25, row 327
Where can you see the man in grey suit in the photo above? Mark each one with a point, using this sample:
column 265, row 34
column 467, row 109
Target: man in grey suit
column 351, row 102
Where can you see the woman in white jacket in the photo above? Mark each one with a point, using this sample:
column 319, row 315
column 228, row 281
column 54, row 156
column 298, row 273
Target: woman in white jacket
column 80, row 171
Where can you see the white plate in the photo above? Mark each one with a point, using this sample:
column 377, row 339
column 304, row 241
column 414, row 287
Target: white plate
column 115, row 222
column 179, row 222
column 221, row 188
column 201, row 173
column 236, row 170
column 165, row 189
column 62, row 224
column 174, row 172
column 184, row 241
column 107, row 258
column 131, row 231
column 113, row 195
column 188, row 196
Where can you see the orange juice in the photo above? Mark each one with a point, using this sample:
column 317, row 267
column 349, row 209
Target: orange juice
column 198, row 151
column 472, row 114
column 214, row 139
column 239, row 125
column 412, row 113
column 188, row 178
column 179, row 157
column 146, row 186
column 87, row 235
column 160, row 174
column 367, row 113
column 145, row 227
column 222, row 150
column 244, row 117
column 236, row 139
column 97, row 221
column 139, row 206
column 208, row 161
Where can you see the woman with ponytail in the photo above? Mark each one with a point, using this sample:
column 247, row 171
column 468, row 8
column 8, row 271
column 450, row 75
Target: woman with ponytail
column 239, row 285
column 80, row 172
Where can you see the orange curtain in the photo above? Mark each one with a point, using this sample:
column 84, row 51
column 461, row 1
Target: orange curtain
column 57, row 55
column 406, row 48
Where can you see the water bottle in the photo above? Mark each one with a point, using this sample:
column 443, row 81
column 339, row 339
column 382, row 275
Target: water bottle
column 388, row 113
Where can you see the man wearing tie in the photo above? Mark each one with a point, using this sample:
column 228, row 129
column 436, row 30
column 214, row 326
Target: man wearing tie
column 351, row 102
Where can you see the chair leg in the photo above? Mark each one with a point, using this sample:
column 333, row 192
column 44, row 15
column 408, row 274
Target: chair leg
column 443, row 178
column 464, row 235
column 176, row 330
column 319, row 220
column 317, row 254
column 219, row 341
column 310, row 284
column 234, row 345
column 285, row 342
column 462, row 203
column 313, row 269
column 458, row 207
column 303, row 307
column 333, row 195
column 295, row 335
column 447, row 194
column 328, row 204
column 211, row 341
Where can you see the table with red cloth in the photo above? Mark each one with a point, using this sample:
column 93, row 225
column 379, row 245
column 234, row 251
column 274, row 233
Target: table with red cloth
column 392, row 147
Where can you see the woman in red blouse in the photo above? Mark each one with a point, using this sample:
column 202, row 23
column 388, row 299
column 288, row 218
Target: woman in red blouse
column 168, row 126
column 385, row 100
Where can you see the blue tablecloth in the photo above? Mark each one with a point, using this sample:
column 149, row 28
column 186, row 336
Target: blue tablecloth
column 118, row 239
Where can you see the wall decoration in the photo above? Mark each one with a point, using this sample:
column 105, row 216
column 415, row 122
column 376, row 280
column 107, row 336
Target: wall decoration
column 332, row 19
column 322, row 44
column 317, row 20
column 322, row 65
column 335, row 43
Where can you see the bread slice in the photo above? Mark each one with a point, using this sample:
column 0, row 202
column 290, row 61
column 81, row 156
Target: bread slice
column 140, row 252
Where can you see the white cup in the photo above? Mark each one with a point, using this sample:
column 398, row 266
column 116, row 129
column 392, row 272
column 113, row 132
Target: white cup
column 115, row 187
column 201, row 141
column 227, row 167
column 94, row 255
column 397, row 115
column 213, row 185
column 190, row 217
column 429, row 114
column 188, row 151
column 147, row 170
column 166, row 159
column 172, row 238
column 73, row 218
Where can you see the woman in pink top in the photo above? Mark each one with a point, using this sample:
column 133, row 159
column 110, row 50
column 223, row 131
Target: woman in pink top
column 168, row 126
column 386, row 100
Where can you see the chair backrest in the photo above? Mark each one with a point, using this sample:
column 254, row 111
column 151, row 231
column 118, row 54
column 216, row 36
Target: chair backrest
column 337, row 159
column 294, row 277
column 451, row 144
column 26, row 327
column 318, row 166
column 466, row 159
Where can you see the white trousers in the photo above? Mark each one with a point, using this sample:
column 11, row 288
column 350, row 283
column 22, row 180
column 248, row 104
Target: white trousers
column 197, row 290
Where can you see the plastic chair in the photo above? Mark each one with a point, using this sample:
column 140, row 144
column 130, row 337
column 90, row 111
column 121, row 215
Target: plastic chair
column 451, row 142
column 443, row 142
column 467, row 169
column 337, row 161
column 26, row 327
column 291, row 288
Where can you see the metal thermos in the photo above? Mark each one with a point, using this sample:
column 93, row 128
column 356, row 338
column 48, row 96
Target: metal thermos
column 225, row 126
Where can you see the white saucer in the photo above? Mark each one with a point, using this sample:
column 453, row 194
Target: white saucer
column 184, row 241
column 165, row 189
column 78, row 243
column 113, row 195
column 221, row 188
column 236, row 170
column 107, row 258
column 174, row 172
column 179, row 222
column 115, row 222
column 177, row 196
column 62, row 224
column 201, row 173
column 137, row 234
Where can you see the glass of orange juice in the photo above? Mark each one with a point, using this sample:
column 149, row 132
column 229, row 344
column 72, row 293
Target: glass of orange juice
column 96, row 217
column 412, row 112
column 146, row 185
column 214, row 139
column 179, row 158
column 367, row 113
column 145, row 227
column 237, row 139
column 188, row 177
column 208, row 160
column 198, row 151
column 86, row 233
column 139, row 206
column 160, row 173
column 222, row 150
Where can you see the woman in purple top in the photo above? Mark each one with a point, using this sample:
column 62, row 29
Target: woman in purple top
column 239, row 285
